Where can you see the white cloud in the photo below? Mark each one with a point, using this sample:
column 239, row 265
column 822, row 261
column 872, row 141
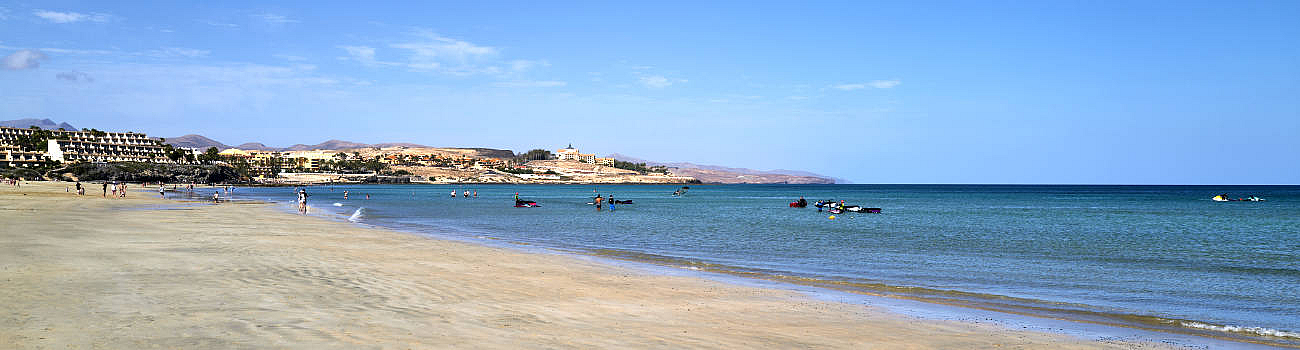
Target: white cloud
column 436, row 52
column 363, row 54
column 879, row 84
column 655, row 81
column 531, row 83
column 274, row 18
column 24, row 59
column 524, row 65
column 885, row 84
column 71, row 17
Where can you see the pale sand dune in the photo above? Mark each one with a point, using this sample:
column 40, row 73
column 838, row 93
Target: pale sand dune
column 87, row 273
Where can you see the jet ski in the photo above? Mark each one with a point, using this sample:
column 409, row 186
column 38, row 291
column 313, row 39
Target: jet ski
column 825, row 203
column 798, row 204
column 525, row 204
column 859, row 209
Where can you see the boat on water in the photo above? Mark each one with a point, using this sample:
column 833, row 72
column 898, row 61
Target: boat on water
column 519, row 203
column 1225, row 198
column 681, row 191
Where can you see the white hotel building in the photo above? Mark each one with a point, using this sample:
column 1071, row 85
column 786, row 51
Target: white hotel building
column 81, row 146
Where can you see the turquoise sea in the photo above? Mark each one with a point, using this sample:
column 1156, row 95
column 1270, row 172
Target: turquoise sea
column 1162, row 258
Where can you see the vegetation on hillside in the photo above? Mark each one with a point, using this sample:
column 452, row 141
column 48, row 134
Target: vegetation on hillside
column 537, row 154
column 640, row 167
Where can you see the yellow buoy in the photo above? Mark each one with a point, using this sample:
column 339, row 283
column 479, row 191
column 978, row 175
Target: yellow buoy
column 832, row 217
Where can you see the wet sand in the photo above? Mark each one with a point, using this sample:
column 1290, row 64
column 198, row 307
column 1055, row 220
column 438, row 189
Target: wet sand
column 87, row 272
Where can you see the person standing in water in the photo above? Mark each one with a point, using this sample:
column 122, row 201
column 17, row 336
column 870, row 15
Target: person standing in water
column 345, row 194
column 598, row 201
column 453, row 193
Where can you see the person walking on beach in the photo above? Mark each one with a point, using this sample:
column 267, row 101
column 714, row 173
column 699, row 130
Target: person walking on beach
column 302, row 201
column 216, row 196
column 162, row 191
column 105, row 189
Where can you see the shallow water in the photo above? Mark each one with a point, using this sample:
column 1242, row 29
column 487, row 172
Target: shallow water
column 1155, row 257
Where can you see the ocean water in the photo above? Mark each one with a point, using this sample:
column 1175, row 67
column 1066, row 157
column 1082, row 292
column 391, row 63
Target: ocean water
column 1163, row 258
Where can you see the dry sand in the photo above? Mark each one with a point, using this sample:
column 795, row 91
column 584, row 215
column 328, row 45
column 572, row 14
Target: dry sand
column 87, row 273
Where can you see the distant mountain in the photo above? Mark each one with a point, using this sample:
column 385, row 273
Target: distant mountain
column 201, row 142
column 254, row 146
column 40, row 123
column 729, row 175
column 331, row 144
column 195, row 141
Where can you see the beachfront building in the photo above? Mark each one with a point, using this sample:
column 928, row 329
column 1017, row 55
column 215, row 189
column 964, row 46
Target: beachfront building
column 312, row 160
column 81, row 146
column 15, row 156
column 572, row 154
column 264, row 163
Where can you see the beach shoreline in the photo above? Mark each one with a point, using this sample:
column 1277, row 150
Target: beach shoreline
column 85, row 272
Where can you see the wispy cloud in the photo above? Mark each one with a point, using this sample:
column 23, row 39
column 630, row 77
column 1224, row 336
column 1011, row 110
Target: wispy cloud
column 24, row 59
column 436, row 52
column 274, row 18
column 74, row 76
column 531, row 84
column 219, row 24
column 364, row 55
column 177, row 52
column 655, row 81
column 879, row 84
column 289, row 57
column 885, row 84
column 71, row 17
column 431, row 52
column 526, row 65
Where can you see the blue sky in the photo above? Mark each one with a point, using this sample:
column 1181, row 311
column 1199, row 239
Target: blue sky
column 1150, row 92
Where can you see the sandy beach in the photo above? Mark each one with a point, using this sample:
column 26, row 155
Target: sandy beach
column 88, row 272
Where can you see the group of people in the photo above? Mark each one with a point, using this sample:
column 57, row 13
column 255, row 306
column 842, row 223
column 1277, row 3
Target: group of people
column 600, row 201
column 14, row 182
column 466, row 194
